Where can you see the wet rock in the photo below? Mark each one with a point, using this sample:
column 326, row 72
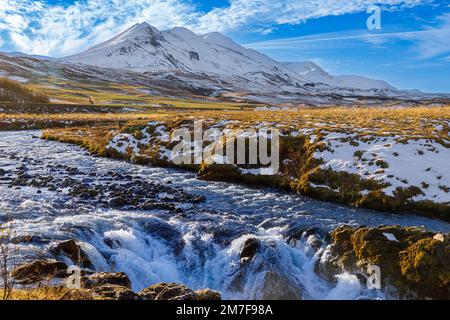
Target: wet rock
column 296, row 232
column 117, row 202
column 28, row 239
column 208, row 295
column 251, row 246
column 112, row 243
column 425, row 266
column 84, row 192
column 152, row 205
column 39, row 270
column 106, row 278
column 73, row 251
column 114, row 292
column 279, row 287
column 412, row 262
column 2, row 172
column 168, row 291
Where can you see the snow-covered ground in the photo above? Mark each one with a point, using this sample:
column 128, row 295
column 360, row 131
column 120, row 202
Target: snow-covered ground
column 421, row 163
column 395, row 161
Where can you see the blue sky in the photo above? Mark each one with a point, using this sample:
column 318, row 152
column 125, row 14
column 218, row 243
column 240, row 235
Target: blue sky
column 411, row 50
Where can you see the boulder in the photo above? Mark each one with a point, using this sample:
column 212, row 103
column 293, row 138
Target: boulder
column 208, row 295
column 117, row 202
column 113, row 292
column 251, row 247
column 426, row 267
column 279, row 287
column 39, row 270
column 413, row 263
column 105, row 278
column 165, row 231
column 168, row 291
column 74, row 252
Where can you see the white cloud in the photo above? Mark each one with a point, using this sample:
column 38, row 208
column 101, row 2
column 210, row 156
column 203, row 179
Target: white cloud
column 435, row 43
column 426, row 43
column 40, row 28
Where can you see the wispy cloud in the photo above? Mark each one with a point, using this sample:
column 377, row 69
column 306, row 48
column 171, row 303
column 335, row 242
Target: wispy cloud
column 357, row 35
column 425, row 43
column 42, row 28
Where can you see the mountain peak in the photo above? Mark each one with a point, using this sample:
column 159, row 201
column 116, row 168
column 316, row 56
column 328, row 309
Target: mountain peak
column 220, row 39
column 139, row 29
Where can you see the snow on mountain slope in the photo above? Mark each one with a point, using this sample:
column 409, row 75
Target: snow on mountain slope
column 143, row 48
column 178, row 62
column 313, row 73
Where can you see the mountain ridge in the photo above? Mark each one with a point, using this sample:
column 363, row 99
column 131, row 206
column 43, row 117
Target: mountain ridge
column 180, row 63
column 148, row 49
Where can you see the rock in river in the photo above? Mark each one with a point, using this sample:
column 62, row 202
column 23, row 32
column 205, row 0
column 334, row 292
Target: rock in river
column 413, row 263
column 39, row 270
column 72, row 250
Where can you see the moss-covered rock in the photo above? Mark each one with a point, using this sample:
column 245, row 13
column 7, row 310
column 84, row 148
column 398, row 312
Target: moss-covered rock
column 413, row 263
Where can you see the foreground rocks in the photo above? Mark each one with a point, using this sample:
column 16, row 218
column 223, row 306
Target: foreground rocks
column 414, row 264
column 173, row 291
column 104, row 285
column 105, row 278
column 39, row 270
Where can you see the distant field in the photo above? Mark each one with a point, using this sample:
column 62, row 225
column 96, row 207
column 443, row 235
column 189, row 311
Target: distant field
column 105, row 93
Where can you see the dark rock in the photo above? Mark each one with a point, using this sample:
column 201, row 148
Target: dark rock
column 161, row 229
column 117, row 202
column 2, row 172
column 73, row 251
column 168, row 291
column 39, row 270
column 106, row 278
column 27, row 239
column 208, row 295
column 251, row 246
column 114, row 292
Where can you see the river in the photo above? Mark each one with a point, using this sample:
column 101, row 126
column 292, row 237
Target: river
column 197, row 243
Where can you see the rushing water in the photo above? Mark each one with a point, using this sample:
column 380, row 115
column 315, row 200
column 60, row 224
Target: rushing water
column 198, row 245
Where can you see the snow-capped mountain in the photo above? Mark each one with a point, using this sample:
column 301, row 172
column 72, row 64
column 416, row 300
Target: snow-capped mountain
column 313, row 73
column 143, row 48
column 180, row 63
column 215, row 63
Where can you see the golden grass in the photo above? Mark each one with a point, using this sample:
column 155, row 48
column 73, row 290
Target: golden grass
column 50, row 293
column 378, row 121
column 105, row 93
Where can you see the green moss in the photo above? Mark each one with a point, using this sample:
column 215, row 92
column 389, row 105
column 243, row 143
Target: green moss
column 416, row 264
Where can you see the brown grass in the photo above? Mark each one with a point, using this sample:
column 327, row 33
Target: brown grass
column 13, row 91
column 51, row 293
